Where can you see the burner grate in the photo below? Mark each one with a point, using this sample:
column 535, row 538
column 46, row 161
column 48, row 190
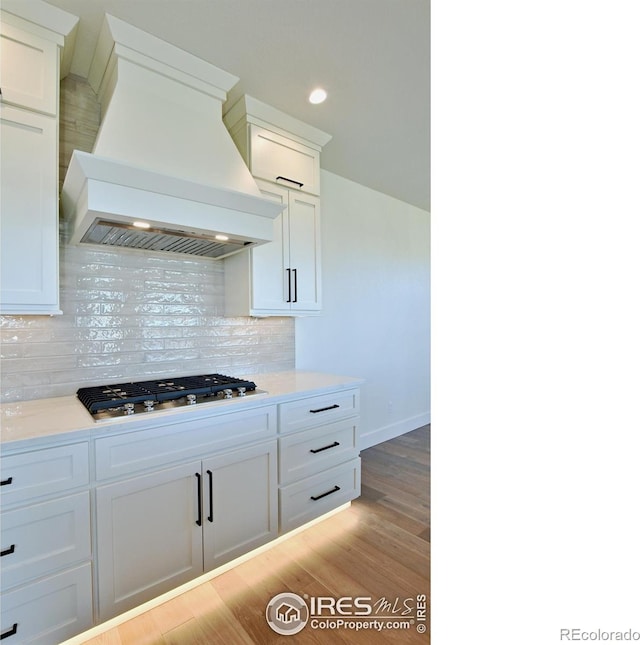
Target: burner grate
column 108, row 397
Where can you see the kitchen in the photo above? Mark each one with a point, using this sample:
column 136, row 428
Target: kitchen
column 133, row 316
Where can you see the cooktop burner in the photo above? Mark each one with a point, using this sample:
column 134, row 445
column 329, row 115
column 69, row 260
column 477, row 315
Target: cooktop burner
column 109, row 401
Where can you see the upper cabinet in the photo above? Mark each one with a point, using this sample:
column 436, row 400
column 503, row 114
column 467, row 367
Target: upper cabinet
column 28, row 65
column 283, row 160
column 282, row 277
column 32, row 38
column 275, row 146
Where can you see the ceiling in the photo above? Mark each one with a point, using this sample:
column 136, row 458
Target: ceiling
column 372, row 57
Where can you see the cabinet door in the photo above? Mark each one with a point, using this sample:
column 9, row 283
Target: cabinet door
column 29, row 223
column 278, row 158
column 304, row 251
column 269, row 280
column 149, row 536
column 241, row 509
column 29, row 69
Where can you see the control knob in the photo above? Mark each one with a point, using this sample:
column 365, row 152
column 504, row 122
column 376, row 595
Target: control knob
column 128, row 408
column 241, row 391
column 191, row 399
column 228, row 394
column 148, row 405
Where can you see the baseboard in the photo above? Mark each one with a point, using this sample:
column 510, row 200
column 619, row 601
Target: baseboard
column 394, row 430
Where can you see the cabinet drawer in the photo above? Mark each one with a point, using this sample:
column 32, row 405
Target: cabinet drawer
column 48, row 611
column 40, row 538
column 30, row 475
column 318, row 410
column 284, row 161
column 318, row 494
column 125, row 454
column 306, row 453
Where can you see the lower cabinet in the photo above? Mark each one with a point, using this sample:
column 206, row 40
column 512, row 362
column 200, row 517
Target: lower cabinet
column 165, row 505
column 242, row 511
column 319, row 463
column 162, row 529
column 314, row 496
column 38, row 539
column 45, row 540
column 50, row 610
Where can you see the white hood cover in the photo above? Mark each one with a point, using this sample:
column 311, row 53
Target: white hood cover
column 163, row 156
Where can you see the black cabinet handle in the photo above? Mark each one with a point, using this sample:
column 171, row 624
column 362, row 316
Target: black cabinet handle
column 8, row 551
column 293, row 181
column 199, row 520
column 11, row 632
column 335, row 489
column 332, row 445
column 295, row 285
column 6, row 482
column 210, row 518
column 289, row 283
column 331, row 407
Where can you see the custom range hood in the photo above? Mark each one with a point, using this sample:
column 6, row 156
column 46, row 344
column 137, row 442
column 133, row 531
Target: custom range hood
column 164, row 174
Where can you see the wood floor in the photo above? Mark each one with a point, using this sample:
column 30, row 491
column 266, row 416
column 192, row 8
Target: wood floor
column 379, row 548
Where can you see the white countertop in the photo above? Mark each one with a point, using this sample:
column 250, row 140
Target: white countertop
column 43, row 420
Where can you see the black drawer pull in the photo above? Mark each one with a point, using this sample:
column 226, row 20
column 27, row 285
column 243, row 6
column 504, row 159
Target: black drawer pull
column 331, row 407
column 6, row 482
column 332, row 445
column 293, row 181
column 11, row 632
column 335, row 489
column 199, row 520
column 8, row 551
column 210, row 517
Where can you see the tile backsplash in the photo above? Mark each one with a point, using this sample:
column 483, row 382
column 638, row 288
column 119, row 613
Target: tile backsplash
column 130, row 315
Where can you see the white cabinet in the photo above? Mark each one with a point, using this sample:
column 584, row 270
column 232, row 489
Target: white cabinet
column 41, row 538
column 318, row 455
column 163, row 528
column 240, row 509
column 29, row 69
column 30, row 72
column 28, row 476
column 314, row 496
column 305, row 453
column 147, row 538
column 280, row 159
column 45, row 543
column 320, row 410
column 50, row 610
column 282, row 277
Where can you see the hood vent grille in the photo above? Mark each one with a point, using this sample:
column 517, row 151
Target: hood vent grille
column 155, row 239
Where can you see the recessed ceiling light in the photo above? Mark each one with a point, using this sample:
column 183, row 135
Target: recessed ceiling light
column 142, row 224
column 317, row 96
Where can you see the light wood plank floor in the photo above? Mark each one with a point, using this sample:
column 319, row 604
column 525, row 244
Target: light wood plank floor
column 380, row 548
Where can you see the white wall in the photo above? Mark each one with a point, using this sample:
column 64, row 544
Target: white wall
column 376, row 316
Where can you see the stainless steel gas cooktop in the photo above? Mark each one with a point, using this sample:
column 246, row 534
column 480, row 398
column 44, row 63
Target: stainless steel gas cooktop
column 142, row 397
